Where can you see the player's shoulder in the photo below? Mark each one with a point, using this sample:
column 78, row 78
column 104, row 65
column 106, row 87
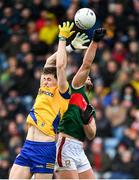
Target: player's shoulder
column 74, row 89
column 66, row 94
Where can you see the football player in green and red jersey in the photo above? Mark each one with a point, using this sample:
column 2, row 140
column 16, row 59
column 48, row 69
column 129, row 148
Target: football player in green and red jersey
column 78, row 121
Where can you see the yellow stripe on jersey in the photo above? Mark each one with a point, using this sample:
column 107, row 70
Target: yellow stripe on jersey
column 50, row 166
column 48, row 108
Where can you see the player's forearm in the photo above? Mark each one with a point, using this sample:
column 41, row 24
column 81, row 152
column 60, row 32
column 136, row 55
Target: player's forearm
column 61, row 62
column 90, row 130
column 98, row 35
column 90, row 55
column 82, row 74
column 51, row 61
column 61, row 59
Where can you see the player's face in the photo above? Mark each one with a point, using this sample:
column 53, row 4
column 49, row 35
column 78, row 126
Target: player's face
column 48, row 80
column 88, row 82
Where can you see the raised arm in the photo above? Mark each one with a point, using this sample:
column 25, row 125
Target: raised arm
column 82, row 74
column 77, row 44
column 51, row 61
column 61, row 60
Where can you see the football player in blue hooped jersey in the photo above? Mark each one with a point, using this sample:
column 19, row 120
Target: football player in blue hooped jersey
column 37, row 157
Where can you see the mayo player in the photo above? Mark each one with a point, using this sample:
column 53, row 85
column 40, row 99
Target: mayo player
column 78, row 121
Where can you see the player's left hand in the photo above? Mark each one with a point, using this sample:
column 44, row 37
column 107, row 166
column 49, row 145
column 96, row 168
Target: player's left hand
column 65, row 30
column 98, row 34
column 79, row 41
column 87, row 114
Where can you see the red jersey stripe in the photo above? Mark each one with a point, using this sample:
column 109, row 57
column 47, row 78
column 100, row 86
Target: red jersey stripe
column 59, row 156
column 78, row 100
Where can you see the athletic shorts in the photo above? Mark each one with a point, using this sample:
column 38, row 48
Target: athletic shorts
column 71, row 156
column 39, row 156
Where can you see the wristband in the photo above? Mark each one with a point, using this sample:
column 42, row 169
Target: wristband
column 61, row 38
column 69, row 48
column 72, row 46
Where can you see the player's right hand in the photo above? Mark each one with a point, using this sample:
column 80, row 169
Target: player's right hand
column 98, row 34
column 65, row 30
column 79, row 41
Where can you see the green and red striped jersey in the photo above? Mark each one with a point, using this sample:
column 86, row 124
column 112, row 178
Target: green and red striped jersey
column 71, row 122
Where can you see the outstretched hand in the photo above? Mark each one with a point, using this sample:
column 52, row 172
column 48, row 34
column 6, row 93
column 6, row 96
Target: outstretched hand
column 79, row 41
column 98, row 34
column 65, row 30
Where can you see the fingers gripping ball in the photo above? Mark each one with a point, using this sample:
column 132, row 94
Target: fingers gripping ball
column 65, row 30
column 87, row 114
column 98, row 34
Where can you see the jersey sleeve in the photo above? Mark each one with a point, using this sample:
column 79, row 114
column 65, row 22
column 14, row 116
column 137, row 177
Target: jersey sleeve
column 77, row 90
column 66, row 94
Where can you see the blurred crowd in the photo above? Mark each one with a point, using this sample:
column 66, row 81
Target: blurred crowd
column 28, row 35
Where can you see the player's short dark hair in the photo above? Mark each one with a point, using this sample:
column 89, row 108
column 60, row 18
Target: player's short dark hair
column 50, row 70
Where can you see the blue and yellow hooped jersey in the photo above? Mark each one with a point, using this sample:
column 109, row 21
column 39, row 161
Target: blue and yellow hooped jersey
column 49, row 107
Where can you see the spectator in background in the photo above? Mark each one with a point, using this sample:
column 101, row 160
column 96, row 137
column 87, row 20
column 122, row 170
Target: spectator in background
column 72, row 10
column 3, row 122
column 103, row 125
column 95, row 72
column 109, row 73
column 136, row 157
column 8, row 74
column 109, row 23
column 135, row 123
column 124, row 167
column 3, row 60
column 121, row 148
column 35, row 81
column 40, row 23
column 20, row 121
column 129, row 136
column 133, row 54
column 128, row 96
column 48, row 33
column 104, row 58
column 38, row 48
column 56, row 8
column 136, row 10
column 30, row 29
column 12, row 46
column 24, row 49
column 99, row 160
column 119, row 52
column 122, row 78
column 4, row 167
column 132, row 33
column 120, row 20
column 135, row 81
column 8, row 17
column 25, row 14
column 21, row 79
column 29, row 61
column 116, row 114
column 36, row 6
